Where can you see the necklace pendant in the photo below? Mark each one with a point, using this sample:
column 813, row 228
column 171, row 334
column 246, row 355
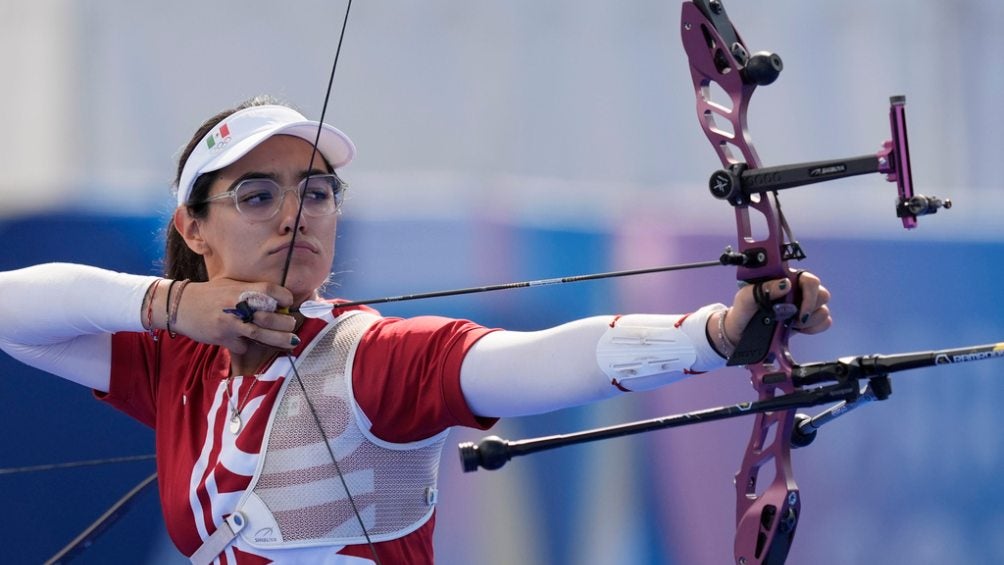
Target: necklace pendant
column 235, row 422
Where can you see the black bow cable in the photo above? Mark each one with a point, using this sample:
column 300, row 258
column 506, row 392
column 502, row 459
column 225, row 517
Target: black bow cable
column 72, row 464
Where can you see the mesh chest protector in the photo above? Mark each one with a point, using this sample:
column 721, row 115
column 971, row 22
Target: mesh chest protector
column 296, row 498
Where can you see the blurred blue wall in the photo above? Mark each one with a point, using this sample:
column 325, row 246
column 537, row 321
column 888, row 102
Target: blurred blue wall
column 511, row 140
column 910, row 480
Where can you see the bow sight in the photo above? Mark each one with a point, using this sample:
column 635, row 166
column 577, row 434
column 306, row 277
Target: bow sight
column 737, row 183
column 718, row 55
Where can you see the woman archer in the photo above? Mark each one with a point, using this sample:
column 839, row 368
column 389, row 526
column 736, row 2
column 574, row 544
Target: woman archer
column 289, row 428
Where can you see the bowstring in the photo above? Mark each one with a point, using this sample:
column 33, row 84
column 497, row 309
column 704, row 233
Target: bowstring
column 317, row 141
column 285, row 274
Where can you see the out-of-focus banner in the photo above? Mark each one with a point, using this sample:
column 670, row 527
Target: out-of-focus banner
column 519, row 140
column 569, row 109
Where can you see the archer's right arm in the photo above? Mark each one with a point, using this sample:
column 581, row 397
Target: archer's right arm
column 59, row 317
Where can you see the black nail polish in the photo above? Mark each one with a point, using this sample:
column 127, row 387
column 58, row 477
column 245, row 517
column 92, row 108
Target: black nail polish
column 294, row 341
column 805, row 318
column 783, row 284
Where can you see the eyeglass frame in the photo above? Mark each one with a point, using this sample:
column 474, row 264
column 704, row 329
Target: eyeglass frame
column 338, row 194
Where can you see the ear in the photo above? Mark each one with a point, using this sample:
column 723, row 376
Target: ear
column 190, row 230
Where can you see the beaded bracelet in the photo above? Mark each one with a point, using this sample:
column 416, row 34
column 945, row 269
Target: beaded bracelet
column 151, row 294
column 723, row 337
column 173, row 305
column 167, row 308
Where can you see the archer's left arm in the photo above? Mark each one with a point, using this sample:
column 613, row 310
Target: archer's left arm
column 520, row 373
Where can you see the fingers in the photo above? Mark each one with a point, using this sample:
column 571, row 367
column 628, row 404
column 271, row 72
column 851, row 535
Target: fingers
column 773, row 290
column 271, row 329
column 215, row 312
column 777, row 288
column 744, row 305
column 809, row 287
column 812, row 308
column 818, row 321
column 813, row 313
column 275, row 321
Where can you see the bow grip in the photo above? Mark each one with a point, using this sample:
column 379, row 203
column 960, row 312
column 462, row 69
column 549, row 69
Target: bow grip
column 755, row 343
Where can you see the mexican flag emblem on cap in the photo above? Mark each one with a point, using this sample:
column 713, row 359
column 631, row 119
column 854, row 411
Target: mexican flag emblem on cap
column 219, row 137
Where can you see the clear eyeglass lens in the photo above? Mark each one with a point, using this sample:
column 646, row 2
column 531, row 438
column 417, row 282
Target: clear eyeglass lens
column 260, row 199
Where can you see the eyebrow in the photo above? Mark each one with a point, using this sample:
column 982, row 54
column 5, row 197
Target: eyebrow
column 274, row 177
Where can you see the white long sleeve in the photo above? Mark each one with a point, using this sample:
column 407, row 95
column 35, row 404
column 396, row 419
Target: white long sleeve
column 520, row 373
column 59, row 317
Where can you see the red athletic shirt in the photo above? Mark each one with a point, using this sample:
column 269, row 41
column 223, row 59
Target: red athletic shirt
column 406, row 378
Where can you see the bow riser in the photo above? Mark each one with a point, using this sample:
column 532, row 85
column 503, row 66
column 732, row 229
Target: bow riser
column 765, row 520
column 710, row 63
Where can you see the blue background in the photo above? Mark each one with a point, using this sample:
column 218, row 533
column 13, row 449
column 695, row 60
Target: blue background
column 512, row 140
column 914, row 477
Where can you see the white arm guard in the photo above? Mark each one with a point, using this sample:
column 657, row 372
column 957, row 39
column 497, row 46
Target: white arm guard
column 59, row 317
column 645, row 351
column 520, row 373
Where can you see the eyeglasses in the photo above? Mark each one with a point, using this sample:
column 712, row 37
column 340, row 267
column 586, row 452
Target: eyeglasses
column 260, row 199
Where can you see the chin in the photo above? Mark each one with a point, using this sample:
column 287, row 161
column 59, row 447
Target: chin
column 305, row 285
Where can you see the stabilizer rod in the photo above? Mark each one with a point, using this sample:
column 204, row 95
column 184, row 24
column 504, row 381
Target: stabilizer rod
column 493, row 452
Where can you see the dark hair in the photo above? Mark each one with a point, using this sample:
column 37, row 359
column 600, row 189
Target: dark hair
column 180, row 262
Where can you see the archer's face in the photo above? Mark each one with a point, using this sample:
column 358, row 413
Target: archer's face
column 240, row 249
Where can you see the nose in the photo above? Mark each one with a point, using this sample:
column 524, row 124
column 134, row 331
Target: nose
column 289, row 209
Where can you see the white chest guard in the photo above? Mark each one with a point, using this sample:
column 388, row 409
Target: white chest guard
column 296, row 498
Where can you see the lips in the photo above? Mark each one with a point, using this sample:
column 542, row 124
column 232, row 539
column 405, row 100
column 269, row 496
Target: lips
column 297, row 246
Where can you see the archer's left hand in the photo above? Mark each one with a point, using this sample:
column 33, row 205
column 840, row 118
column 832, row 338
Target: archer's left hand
column 813, row 315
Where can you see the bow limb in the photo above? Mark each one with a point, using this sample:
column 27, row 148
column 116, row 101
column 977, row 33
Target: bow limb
column 766, row 515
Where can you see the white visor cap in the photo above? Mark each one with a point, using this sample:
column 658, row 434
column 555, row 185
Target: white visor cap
column 243, row 130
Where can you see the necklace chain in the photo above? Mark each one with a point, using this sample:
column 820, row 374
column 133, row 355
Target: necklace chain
column 235, row 421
